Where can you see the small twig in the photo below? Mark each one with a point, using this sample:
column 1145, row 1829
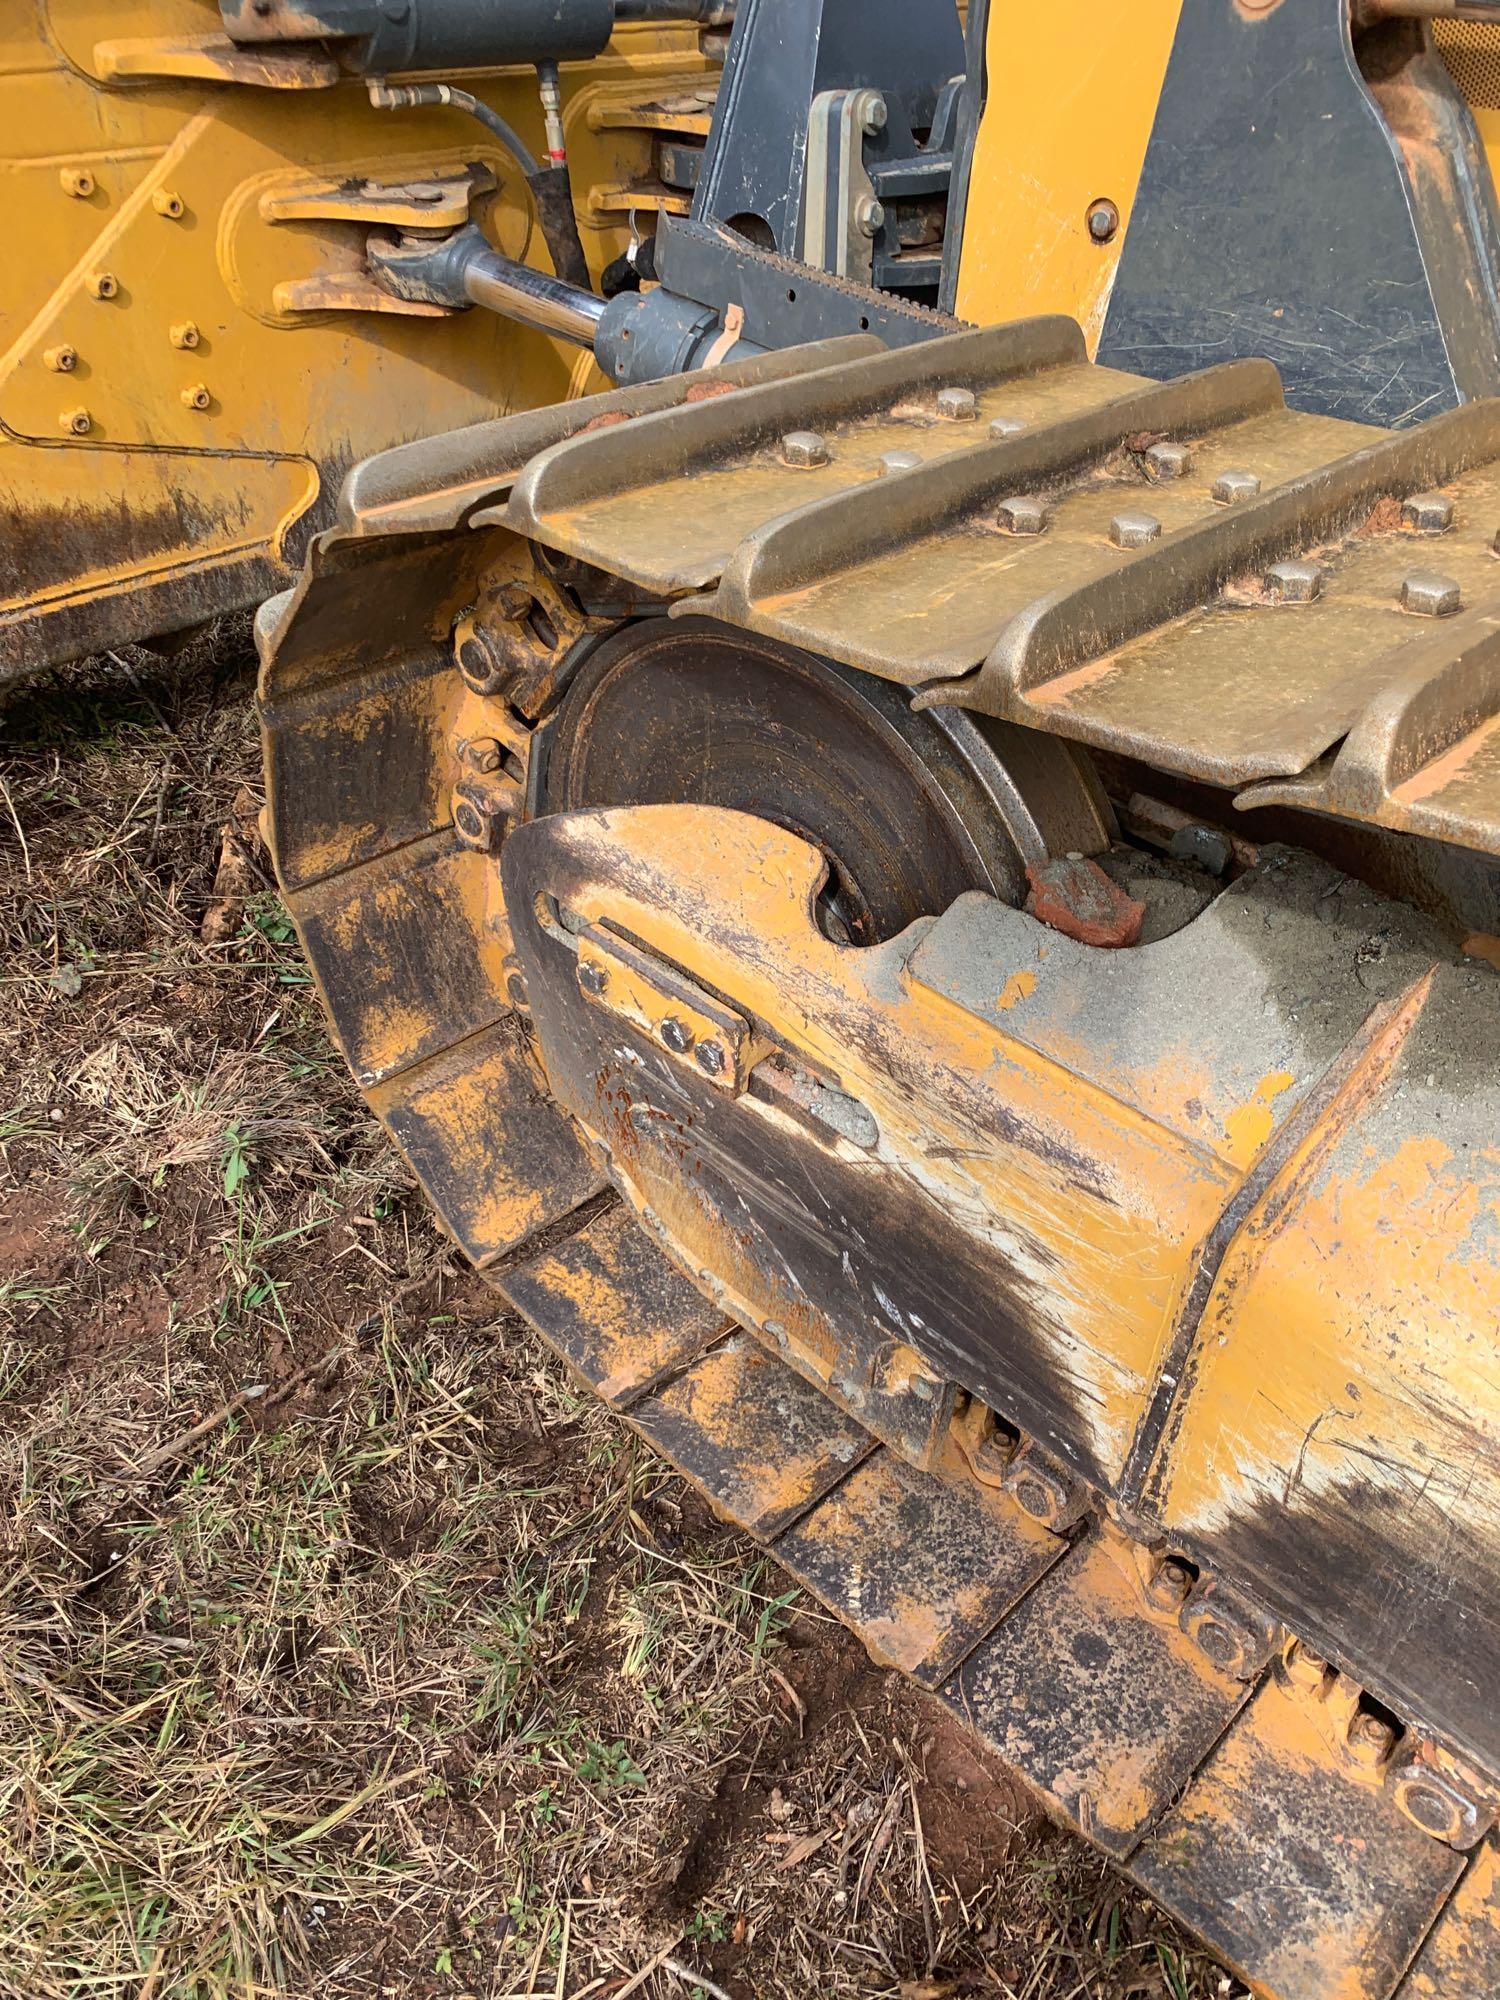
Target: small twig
column 691, row 1978
column 15, row 820
column 638, row 1979
column 164, row 1454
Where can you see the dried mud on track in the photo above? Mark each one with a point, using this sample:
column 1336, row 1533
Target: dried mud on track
column 344, row 1648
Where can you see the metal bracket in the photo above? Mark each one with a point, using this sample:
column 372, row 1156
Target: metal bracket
column 842, row 215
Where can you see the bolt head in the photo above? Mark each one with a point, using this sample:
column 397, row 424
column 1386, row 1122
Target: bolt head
column 1034, row 1497
column 78, row 182
column 1133, row 530
column 1371, row 1740
column 1294, row 582
column 168, row 204
column 1429, row 595
column 197, row 397
column 1021, row 514
column 1168, row 1588
column 1218, row 1642
column 1005, row 427
column 103, row 284
column 957, row 405
column 76, row 423
column 61, row 360
column 1427, row 513
column 676, row 1036
column 185, row 334
column 874, row 114
column 710, row 1058
column 486, row 756
column 515, row 987
column 1103, row 221
column 869, row 214
column 592, row 977
column 1166, row 460
column 1305, row 1668
column 899, row 461
column 1432, row 1801
column 1232, row 487
column 804, row 448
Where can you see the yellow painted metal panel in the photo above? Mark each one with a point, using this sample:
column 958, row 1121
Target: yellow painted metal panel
column 1071, row 95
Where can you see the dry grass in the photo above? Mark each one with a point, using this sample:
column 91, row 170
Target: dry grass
column 342, row 1647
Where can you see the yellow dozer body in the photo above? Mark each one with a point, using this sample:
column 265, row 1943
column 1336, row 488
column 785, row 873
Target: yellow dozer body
column 192, row 350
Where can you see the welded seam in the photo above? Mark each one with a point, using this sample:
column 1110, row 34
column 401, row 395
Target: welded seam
column 1354, row 1074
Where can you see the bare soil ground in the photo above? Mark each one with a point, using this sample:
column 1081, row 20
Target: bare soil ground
column 344, row 1648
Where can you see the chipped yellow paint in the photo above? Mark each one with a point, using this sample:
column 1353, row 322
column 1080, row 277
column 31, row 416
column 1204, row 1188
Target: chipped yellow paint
column 1248, row 1129
column 1020, row 986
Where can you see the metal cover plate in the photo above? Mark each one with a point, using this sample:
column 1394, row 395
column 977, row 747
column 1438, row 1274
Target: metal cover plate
column 1104, row 1706
column 499, row 1161
column 614, row 1308
column 1462, row 1952
column 761, row 1442
column 1309, row 1883
column 921, row 1567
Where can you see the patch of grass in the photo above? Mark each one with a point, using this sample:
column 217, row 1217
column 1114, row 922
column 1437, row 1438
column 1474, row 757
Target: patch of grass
column 343, row 1648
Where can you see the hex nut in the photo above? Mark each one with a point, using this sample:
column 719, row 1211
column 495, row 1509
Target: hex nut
column 1166, row 460
column 1021, row 514
column 76, row 423
column 1370, row 1740
column 710, row 1058
column 874, row 114
column 899, row 461
column 1232, row 487
column 869, row 214
column 196, row 396
column 957, row 405
column 78, row 182
column 486, row 756
column 1005, row 427
column 185, row 334
column 804, row 448
column 1294, row 582
column 1304, row 1668
column 1169, row 1584
column 61, row 360
column 171, row 205
column 1429, row 595
column 592, row 977
column 676, row 1036
column 102, row 285
column 1427, row 513
column 1133, row 530
column 1219, row 1639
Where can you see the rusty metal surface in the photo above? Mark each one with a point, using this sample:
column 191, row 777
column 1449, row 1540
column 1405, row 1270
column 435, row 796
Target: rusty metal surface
column 1185, row 572
column 497, row 1159
column 1106, row 1705
column 1294, row 1866
column 910, row 810
column 1461, row 1954
column 761, row 1442
column 614, row 1308
column 921, row 1566
column 430, row 485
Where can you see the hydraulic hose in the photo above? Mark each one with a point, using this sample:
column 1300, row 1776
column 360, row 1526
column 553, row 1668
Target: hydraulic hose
column 551, row 186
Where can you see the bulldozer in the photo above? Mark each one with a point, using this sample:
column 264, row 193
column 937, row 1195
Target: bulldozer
column 918, row 882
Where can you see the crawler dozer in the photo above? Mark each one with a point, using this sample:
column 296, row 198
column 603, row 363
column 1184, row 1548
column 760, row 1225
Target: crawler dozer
column 919, row 883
